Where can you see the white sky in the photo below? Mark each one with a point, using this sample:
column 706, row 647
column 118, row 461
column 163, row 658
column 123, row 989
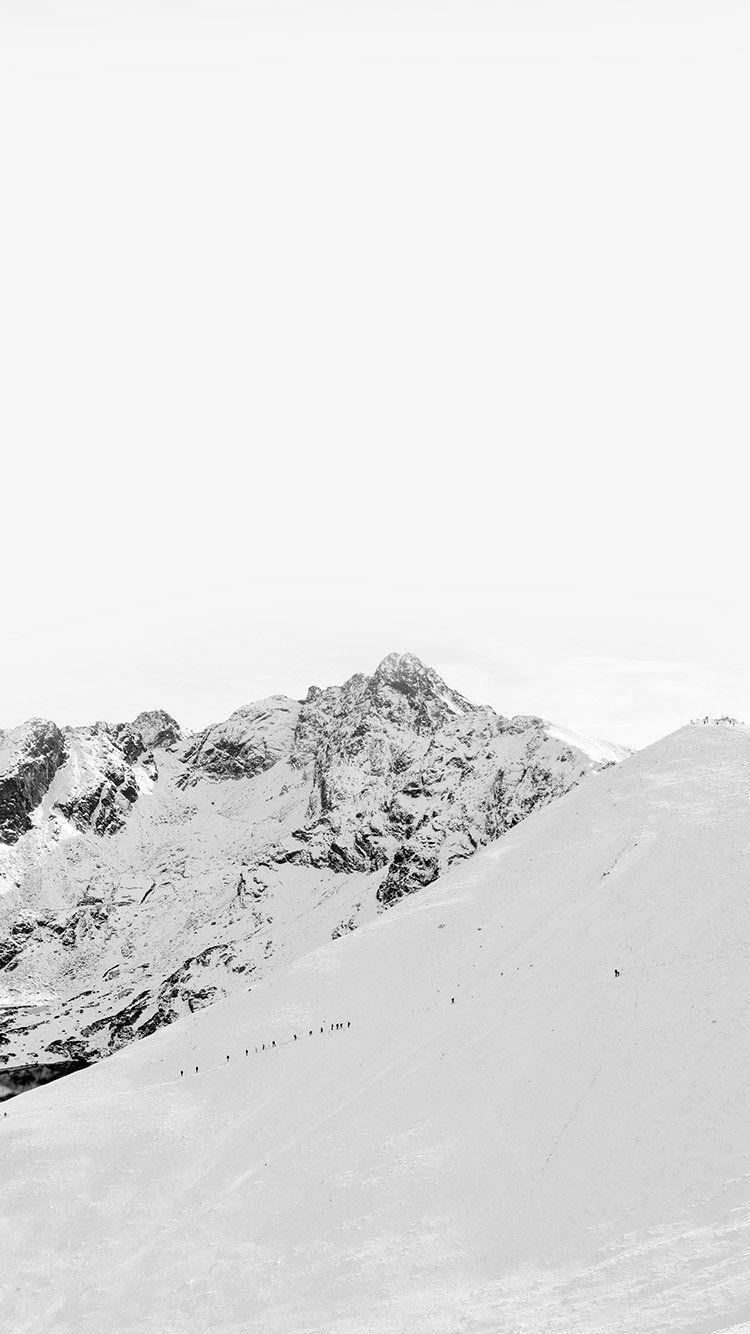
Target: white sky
column 327, row 330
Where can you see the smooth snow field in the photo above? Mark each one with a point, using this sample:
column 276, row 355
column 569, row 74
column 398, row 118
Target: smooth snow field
column 508, row 1137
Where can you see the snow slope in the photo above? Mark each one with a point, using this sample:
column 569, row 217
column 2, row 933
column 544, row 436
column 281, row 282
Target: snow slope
column 508, row 1137
column 602, row 752
column 148, row 875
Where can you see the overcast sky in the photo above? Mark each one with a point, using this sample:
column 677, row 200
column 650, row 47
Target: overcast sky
column 332, row 329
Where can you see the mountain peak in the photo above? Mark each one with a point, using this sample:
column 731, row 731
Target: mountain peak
column 406, row 675
column 157, row 727
column 395, row 664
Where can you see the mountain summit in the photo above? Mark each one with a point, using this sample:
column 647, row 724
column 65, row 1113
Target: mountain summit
column 145, row 873
column 402, row 680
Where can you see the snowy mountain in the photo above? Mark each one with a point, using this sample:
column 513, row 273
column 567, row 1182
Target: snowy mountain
column 518, row 1100
column 147, row 874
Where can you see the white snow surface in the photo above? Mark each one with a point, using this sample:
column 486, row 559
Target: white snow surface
column 553, row 1149
column 603, row 752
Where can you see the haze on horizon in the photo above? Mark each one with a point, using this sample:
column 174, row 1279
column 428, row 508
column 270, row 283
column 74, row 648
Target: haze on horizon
column 328, row 331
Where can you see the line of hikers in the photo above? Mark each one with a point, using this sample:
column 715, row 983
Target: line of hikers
column 269, row 1046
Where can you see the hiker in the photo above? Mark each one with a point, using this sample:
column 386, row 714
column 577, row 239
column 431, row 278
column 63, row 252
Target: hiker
column 617, row 972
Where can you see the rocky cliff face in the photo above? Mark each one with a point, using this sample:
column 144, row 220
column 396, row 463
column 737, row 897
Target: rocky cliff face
column 90, row 776
column 30, row 756
column 249, row 742
column 409, row 777
column 147, row 874
column 156, row 728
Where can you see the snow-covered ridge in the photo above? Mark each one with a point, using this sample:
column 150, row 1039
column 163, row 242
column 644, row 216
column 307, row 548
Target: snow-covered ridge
column 534, row 1116
column 601, row 752
column 148, row 874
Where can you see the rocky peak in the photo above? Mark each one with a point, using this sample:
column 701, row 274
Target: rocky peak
column 247, row 743
column 97, row 787
column 408, row 775
column 157, row 728
column 405, row 689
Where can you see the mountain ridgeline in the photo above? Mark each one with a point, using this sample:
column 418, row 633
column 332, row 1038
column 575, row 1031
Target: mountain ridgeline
column 145, row 873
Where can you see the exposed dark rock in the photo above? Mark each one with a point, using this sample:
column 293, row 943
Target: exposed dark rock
column 248, row 743
column 121, row 1026
column 130, row 741
column 71, row 1049
column 15, row 941
column 30, row 756
column 409, row 870
column 21, row 1078
column 157, row 728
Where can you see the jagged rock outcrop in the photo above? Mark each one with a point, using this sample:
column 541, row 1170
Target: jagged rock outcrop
column 410, row 776
column 129, row 739
column 55, row 783
column 249, row 742
column 102, row 783
column 157, row 729
column 30, row 756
